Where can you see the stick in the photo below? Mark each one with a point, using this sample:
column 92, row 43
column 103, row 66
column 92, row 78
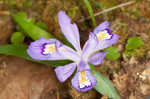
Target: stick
column 109, row 9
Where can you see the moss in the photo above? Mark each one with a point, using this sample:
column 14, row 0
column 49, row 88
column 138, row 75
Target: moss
column 140, row 52
column 108, row 3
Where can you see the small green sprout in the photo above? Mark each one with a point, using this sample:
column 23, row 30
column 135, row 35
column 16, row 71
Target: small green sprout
column 112, row 53
column 132, row 44
column 17, row 38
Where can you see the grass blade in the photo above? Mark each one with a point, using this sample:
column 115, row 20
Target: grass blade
column 87, row 3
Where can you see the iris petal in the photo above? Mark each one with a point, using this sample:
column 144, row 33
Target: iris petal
column 83, row 81
column 70, row 31
column 69, row 53
column 106, row 42
column 64, row 72
column 51, row 49
column 97, row 58
column 83, row 66
column 89, row 46
column 101, row 26
column 104, row 36
column 38, row 50
column 100, row 38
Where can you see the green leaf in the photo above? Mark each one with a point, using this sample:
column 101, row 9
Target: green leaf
column 31, row 29
column 112, row 53
column 104, row 85
column 42, row 25
column 22, row 15
column 21, row 51
column 87, row 3
column 17, row 38
column 133, row 43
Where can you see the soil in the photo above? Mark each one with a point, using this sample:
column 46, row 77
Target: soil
column 22, row 79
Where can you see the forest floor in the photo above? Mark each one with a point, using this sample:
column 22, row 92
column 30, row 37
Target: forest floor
column 22, row 79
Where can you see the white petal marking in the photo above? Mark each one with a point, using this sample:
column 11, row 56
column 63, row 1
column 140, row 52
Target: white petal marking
column 83, row 80
column 49, row 48
column 103, row 35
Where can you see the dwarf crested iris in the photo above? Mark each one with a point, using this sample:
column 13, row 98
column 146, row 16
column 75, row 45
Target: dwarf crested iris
column 52, row 49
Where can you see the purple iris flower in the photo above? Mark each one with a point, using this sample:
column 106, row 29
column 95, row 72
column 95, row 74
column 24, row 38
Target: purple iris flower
column 52, row 49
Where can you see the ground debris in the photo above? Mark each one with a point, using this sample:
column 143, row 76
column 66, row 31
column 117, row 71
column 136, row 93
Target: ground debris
column 27, row 80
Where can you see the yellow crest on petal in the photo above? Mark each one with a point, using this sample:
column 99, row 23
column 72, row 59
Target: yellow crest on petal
column 49, row 48
column 83, row 80
column 103, row 35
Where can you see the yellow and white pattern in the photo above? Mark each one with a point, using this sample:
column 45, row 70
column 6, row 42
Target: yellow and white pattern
column 103, row 35
column 83, row 80
column 49, row 48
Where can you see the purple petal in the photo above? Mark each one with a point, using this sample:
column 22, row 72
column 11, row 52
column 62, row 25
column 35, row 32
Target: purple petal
column 97, row 58
column 83, row 66
column 89, row 46
column 100, row 39
column 102, row 26
column 107, row 42
column 83, row 81
column 104, row 37
column 45, row 49
column 64, row 72
column 69, row 53
column 70, row 31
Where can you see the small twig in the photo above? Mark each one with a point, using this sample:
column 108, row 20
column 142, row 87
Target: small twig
column 100, row 6
column 109, row 9
column 58, row 95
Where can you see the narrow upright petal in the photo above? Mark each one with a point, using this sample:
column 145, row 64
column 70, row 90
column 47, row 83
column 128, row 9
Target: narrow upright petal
column 45, row 49
column 83, row 81
column 70, row 31
column 89, row 46
column 97, row 58
column 64, row 72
